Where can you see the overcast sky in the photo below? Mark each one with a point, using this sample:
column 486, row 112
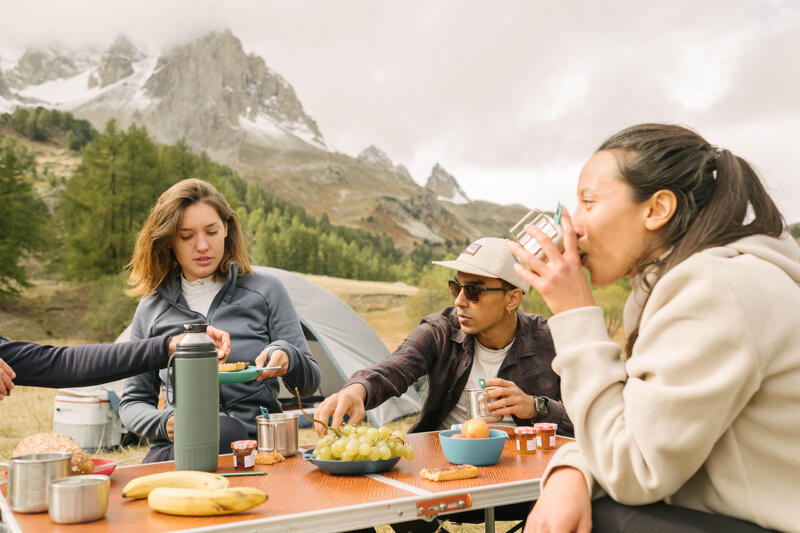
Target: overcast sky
column 510, row 97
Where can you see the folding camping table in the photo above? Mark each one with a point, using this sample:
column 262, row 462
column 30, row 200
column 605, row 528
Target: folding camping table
column 304, row 498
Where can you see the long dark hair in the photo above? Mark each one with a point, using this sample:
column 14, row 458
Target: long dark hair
column 720, row 198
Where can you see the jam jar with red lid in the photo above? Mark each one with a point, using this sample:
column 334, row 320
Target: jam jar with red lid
column 244, row 454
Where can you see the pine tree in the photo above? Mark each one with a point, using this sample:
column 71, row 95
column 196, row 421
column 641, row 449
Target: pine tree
column 107, row 200
column 24, row 217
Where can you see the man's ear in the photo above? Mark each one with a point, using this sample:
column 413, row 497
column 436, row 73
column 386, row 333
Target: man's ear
column 514, row 299
column 660, row 208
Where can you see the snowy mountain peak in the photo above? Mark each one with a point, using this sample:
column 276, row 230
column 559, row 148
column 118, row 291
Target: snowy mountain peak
column 445, row 186
column 375, row 157
column 40, row 65
column 372, row 155
column 207, row 91
column 213, row 93
column 117, row 62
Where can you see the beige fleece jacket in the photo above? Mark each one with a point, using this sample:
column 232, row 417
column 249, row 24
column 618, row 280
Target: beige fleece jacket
column 706, row 412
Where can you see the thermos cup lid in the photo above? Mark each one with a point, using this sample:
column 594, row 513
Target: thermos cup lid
column 195, row 343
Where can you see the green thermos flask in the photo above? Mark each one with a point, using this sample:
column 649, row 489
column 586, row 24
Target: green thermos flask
column 192, row 372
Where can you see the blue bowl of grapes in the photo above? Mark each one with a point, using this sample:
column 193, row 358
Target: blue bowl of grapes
column 359, row 450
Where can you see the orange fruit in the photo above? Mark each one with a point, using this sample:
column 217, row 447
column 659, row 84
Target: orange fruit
column 475, row 428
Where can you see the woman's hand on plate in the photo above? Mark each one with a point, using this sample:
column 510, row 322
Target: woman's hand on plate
column 277, row 366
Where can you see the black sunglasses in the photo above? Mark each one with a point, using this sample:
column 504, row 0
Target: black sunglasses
column 472, row 292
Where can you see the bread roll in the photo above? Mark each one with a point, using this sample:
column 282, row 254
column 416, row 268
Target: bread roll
column 56, row 442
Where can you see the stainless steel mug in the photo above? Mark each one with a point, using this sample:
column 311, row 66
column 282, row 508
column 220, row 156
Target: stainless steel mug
column 278, row 433
column 78, row 499
column 476, row 405
column 29, row 477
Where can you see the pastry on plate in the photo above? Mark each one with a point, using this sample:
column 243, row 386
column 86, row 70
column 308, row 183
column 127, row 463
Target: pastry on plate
column 232, row 367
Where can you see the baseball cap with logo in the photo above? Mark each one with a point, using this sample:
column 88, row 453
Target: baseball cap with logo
column 490, row 257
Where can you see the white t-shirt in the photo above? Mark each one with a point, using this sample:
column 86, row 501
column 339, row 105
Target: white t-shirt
column 485, row 364
column 200, row 293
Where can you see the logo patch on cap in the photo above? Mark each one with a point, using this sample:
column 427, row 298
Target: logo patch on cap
column 472, row 249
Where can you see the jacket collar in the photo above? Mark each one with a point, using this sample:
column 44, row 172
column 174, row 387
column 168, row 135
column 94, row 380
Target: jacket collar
column 518, row 349
column 170, row 289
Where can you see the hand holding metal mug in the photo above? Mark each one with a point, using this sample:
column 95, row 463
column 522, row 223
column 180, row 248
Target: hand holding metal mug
column 506, row 398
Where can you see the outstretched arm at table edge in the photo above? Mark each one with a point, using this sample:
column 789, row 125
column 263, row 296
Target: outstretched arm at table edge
column 79, row 366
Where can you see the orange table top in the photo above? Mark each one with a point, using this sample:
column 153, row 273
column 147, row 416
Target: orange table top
column 304, row 498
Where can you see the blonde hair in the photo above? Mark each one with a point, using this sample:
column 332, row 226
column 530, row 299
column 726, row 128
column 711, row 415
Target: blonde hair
column 153, row 259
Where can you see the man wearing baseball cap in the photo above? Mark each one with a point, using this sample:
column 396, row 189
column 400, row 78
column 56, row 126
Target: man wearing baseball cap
column 482, row 336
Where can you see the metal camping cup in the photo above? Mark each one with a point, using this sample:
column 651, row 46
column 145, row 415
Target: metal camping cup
column 29, row 477
column 278, row 433
column 78, row 499
column 543, row 222
column 192, row 372
column 477, row 405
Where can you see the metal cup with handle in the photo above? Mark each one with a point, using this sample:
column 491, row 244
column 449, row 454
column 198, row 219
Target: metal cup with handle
column 29, row 477
column 278, row 433
column 477, row 405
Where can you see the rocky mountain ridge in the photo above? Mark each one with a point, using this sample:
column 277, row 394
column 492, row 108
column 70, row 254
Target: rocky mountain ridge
column 230, row 104
column 445, row 186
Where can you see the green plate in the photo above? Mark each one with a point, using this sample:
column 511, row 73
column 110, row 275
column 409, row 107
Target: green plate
column 240, row 376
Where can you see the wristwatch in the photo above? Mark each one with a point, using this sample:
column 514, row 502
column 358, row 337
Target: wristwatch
column 541, row 404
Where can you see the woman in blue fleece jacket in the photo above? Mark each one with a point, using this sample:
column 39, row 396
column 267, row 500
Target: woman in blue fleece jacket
column 190, row 264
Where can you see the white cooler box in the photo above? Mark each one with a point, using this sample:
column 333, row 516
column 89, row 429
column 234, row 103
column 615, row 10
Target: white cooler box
column 86, row 414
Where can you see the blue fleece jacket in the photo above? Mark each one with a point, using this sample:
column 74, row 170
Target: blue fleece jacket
column 256, row 311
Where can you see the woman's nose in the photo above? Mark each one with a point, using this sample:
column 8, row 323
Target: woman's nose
column 578, row 221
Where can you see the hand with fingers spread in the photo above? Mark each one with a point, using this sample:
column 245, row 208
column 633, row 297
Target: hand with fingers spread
column 6, row 379
column 348, row 401
column 508, row 399
column 560, row 278
column 278, row 358
column 564, row 505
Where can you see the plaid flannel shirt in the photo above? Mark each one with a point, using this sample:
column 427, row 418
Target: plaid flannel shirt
column 438, row 348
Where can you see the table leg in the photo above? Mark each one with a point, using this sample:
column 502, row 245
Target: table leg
column 488, row 519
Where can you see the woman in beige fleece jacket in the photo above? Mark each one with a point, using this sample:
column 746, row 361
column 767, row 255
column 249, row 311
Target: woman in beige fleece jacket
column 697, row 422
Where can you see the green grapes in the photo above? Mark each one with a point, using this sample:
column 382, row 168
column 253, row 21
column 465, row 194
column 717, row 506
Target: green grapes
column 363, row 443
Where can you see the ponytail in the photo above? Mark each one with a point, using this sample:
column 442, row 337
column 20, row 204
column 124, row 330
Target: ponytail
column 720, row 198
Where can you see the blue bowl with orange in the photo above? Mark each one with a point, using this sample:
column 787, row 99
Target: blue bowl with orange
column 477, row 452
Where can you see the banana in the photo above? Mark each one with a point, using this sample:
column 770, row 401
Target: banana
column 205, row 502
column 140, row 487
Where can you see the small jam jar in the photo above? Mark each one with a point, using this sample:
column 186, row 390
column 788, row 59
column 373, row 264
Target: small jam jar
column 546, row 436
column 244, row 454
column 526, row 439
